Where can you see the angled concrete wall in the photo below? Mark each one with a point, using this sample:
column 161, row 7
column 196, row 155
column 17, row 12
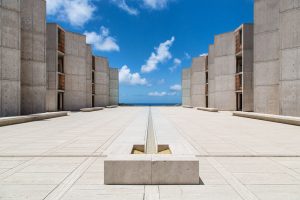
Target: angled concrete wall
column 89, row 61
column 75, row 72
column 186, row 87
column 10, row 63
column 198, row 81
column 113, row 86
column 247, row 51
column 266, row 56
column 102, row 82
column 211, row 76
column 289, row 89
column 51, row 63
column 33, row 55
column 224, row 64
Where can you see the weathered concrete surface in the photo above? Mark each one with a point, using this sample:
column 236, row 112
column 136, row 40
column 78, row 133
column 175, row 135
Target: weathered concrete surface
column 266, row 56
column 113, row 86
column 33, row 56
column 10, row 64
column 268, row 117
column 89, row 61
column 211, row 76
column 238, row 159
column 75, row 72
column 224, row 64
column 208, row 109
column 186, row 87
column 102, row 81
column 91, row 109
column 198, row 81
column 6, row 121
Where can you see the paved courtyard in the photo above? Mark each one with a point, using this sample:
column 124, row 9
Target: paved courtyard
column 63, row 158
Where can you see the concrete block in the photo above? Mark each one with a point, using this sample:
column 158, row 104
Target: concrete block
column 225, row 83
column 266, row 99
column 10, row 64
column 225, row 100
column 198, row 100
column 39, row 16
column 290, row 29
column 208, row 109
column 10, row 96
column 175, row 170
column 266, row 15
column 290, row 95
column 266, row 46
column 10, row 25
column 289, row 4
column 224, row 44
column 290, row 64
column 91, row 109
column 51, row 100
column 102, row 100
column 27, row 41
column 11, row 4
column 127, row 170
column 186, row 74
column 33, row 99
column 266, row 73
column 39, row 50
column 39, row 74
column 273, row 118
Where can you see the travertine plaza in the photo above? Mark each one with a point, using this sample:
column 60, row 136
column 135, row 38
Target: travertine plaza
column 64, row 137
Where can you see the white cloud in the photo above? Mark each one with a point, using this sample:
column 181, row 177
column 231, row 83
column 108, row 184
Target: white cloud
column 161, row 94
column 187, row 56
column 176, row 88
column 160, row 55
column 76, row 12
column 203, row 54
column 102, row 41
column 126, row 77
column 156, row 4
column 176, row 63
column 124, row 6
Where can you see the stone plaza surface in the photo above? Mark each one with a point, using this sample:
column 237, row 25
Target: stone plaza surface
column 63, row 158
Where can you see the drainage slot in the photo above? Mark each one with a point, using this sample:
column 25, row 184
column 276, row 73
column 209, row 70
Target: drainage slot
column 161, row 149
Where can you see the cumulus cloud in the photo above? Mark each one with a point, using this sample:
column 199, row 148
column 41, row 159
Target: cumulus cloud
column 176, row 88
column 102, row 41
column 76, row 12
column 161, row 94
column 126, row 77
column 124, row 6
column 160, row 55
column 156, row 4
column 176, row 63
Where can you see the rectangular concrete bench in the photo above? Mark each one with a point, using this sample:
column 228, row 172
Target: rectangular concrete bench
column 6, row 121
column 187, row 106
column 91, row 109
column 151, row 170
column 208, row 109
column 271, row 118
column 112, row 106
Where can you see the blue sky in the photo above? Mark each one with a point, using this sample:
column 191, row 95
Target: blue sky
column 150, row 41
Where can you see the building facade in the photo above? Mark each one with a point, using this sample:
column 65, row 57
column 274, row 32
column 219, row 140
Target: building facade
column 186, row 87
column 10, row 58
column 101, row 81
column 113, row 86
column 276, row 57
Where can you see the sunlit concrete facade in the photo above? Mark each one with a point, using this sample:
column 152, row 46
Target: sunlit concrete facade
column 113, row 86
column 102, row 79
column 276, row 57
column 10, row 62
column 186, row 87
column 199, row 82
column 33, row 56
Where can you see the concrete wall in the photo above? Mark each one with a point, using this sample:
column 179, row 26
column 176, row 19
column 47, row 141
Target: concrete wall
column 113, row 86
column 75, row 72
column 52, row 62
column 89, row 61
column 266, row 56
column 198, row 81
column 33, row 56
column 289, row 89
column 224, row 64
column 186, row 87
column 211, row 76
column 248, row 38
column 102, row 82
column 10, row 45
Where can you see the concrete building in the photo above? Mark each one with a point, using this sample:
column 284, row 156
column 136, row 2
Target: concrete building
column 89, row 74
column 33, row 56
column 211, row 76
column 101, row 79
column 113, row 86
column 199, row 82
column 10, row 46
column 276, row 57
column 55, row 67
column 186, row 87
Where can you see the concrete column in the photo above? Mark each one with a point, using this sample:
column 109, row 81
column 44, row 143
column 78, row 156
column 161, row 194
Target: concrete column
column 10, row 45
column 224, row 64
column 211, row 77
column 198, row 81
column 114, row 86
column 266, row 56
column 186, row 87
column 102, row 82
column 33, row 54
column 89, row 58
column 75, row 72
column 290, row 58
